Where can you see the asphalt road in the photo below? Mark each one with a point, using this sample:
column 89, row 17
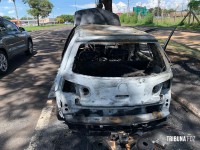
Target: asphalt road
column 28, row 117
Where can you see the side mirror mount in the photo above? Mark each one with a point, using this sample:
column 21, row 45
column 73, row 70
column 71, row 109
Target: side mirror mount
column 21, row 29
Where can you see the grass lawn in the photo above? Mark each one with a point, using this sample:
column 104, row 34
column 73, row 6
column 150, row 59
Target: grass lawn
column 167, row 22
column 34, row 28
column 181, row 52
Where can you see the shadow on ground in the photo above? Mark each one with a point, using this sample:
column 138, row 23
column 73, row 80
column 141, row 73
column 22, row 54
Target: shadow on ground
column 180, row 123
column 24, row 90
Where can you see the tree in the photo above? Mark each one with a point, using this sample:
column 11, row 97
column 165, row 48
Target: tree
column 39, row 8
column 7, row 17
column 59, row 20
column 194, row 5
column 157, row 11
column 107, row 4
column 64, row 18
column 26, row 18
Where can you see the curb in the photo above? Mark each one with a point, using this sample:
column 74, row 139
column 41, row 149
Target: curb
column 189, row 106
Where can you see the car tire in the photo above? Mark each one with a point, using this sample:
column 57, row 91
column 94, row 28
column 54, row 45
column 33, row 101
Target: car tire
column 58, row 114
column 4, row 64
column 30, row 48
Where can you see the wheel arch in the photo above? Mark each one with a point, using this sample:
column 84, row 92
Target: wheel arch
column 29, row 38
column 4, row 50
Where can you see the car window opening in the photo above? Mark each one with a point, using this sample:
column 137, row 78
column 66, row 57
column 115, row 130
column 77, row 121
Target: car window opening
column 118, row 59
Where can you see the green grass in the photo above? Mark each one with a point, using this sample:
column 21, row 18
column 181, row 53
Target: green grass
column 34, row 28
column 167, row 22
column 180, row 51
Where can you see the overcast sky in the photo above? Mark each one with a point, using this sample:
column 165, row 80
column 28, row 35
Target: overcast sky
column 70, row 6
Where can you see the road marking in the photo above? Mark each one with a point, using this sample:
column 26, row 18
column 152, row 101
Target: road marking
column 41, row 124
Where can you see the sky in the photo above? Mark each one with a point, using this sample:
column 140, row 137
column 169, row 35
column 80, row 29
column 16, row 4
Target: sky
column 70, row 6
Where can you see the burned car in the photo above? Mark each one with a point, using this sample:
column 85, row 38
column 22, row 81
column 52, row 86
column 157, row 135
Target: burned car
column 112, row 75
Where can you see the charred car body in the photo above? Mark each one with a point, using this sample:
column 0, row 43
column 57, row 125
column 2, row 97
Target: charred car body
column 112, row 75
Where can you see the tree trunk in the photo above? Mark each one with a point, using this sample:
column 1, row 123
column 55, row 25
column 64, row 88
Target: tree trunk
column 189, row 18
column 38, row 21
column 107, row 4
column 193, row 19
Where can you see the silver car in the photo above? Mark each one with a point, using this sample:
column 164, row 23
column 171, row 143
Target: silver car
column 13, row 41
column 112, row 75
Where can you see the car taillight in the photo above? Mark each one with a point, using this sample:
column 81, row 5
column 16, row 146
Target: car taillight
column 167, row 84
column 157, row 88
column 69, row 87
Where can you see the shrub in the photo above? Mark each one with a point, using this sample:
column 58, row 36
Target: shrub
column 134, row 19
column 122, row 18
column 148, row 19
column 127, row 19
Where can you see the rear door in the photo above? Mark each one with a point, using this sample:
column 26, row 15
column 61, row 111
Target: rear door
column 7, row 39
column 18, row 41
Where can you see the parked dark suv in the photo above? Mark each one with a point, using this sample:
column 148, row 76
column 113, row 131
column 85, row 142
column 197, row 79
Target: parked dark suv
column 13, row 41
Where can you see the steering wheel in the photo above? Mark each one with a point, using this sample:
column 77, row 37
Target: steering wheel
column 88, row 55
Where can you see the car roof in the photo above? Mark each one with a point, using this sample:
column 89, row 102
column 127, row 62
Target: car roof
column 113, row 32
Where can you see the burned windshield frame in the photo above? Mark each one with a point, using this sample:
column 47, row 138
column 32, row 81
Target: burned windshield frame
column 131, row 58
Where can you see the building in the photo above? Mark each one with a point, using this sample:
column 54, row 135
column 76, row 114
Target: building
column 48, row 21
column 34, row 22
column 178, row 14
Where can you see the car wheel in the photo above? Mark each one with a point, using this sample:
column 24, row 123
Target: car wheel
column 3, row 63
column 30, row 48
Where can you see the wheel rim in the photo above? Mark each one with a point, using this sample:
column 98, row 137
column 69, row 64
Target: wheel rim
column 30, row 47
column 3, row 63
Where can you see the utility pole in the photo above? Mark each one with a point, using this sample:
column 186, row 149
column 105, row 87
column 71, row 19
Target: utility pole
column 182, row 9
column 158, row 11
column 128, row 8
column 75, row 5
column 16, row 12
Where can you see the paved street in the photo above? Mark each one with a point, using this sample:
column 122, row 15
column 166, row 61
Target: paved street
column 28, row 118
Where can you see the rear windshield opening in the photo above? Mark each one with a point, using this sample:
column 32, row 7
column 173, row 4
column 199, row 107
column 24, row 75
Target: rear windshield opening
column 118, row 60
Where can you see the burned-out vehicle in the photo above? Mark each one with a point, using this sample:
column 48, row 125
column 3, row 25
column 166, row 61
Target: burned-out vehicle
column 112, row 75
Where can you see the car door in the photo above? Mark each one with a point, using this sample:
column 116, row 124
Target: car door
column 19, row 42
column 7, row 40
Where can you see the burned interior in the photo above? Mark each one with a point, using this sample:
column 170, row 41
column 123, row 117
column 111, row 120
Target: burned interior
column 118, row 59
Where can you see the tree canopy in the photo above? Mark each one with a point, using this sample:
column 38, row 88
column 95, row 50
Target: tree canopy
column 64, row 18
column 7, row 17
column 194, row 5
column 39, row 8
column 26, row 18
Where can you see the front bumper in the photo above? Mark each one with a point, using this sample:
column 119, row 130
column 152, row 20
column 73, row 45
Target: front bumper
column 117, row 120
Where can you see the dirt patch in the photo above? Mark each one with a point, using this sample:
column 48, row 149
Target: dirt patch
column 187, row 38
